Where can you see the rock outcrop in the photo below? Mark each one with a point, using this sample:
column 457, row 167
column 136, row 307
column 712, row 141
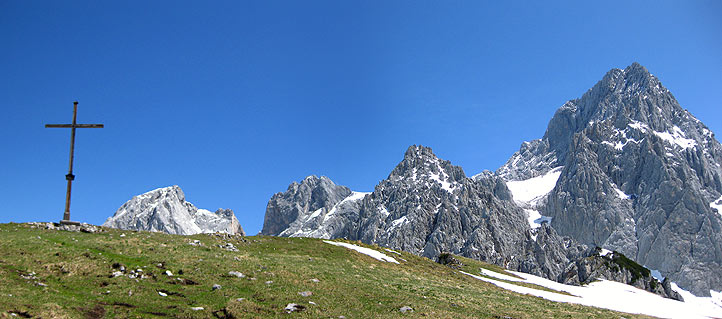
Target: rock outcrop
column 166, row 210
column 614, row 266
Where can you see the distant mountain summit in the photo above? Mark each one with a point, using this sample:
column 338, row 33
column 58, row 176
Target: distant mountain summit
column 166, row 210
column 316, row 207
column 636, row 173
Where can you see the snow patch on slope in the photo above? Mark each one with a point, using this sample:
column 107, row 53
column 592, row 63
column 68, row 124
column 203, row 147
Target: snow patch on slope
column 620, row 193
column 676, row 137
column 535, row 188
column 614, row 295
column 366, row 251
column 535, row 218
column 639, row 126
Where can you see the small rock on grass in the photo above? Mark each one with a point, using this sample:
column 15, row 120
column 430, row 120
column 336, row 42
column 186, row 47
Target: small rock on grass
column 305, row 293
column 315, row 280
column 236, row 274
column 294, row 307
column 163, row 294
column 197, row 308
column 216, row 287
column 405, row 309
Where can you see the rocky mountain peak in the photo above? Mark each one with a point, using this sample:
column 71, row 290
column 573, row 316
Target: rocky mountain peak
column 312, row 198
column 166, row 210
column 634, row 167
column 420, row 162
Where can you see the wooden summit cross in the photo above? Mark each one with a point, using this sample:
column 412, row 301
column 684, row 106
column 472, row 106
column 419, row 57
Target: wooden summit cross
column 70, row 177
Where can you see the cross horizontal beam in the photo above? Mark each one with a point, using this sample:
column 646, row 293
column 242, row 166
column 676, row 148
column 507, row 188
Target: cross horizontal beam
column 74, row 125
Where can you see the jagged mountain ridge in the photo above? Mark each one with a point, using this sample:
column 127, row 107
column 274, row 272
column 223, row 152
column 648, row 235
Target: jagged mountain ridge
column 425, row 206
column 166, row 210
column 598, row 151
column 639, row 174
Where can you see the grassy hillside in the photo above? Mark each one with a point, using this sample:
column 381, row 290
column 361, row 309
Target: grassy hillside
column 59, row 274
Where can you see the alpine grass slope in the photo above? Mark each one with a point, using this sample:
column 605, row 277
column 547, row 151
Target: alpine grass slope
column 48, row 273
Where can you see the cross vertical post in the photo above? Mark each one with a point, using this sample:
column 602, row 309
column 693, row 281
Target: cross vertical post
column 70, row 177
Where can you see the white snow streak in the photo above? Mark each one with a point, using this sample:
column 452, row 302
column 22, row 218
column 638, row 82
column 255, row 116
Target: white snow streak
column 366, row 251
column 620, row 193
column 677, row 137
column 398, row 222
column 315, row 213
column 444, row 185
column 639, row 126
column 354, row 196
column 717, row 205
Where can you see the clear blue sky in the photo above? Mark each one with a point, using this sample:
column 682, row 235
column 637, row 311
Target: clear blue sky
column 235, row 100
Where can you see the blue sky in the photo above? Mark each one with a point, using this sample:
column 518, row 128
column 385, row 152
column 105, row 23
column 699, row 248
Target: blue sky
column 234, row 100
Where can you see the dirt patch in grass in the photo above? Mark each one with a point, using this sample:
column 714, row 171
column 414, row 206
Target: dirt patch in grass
column 71, row 268
column 97, row 312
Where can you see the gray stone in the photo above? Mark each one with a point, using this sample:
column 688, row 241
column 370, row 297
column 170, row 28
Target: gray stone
column 79, row 227
column 291, row 307
column 448, row 259
column 405, row 309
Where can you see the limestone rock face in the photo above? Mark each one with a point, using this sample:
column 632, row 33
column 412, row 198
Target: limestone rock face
column 639, row 175
column 316, row 207
column 166, row 210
